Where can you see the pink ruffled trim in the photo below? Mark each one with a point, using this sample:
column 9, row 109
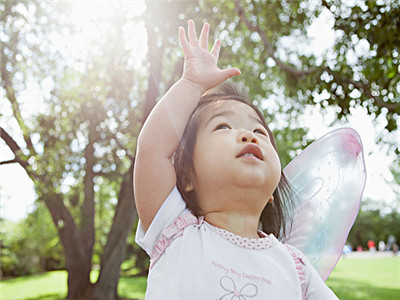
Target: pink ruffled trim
column 170, row 233
column 299, row 263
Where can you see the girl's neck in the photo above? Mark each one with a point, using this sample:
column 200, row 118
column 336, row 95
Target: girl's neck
column 235, row 222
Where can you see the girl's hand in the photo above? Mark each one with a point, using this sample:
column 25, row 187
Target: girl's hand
column 200, row 66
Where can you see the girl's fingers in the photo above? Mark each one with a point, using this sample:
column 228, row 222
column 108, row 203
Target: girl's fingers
column 215, row 49
column 204, row 36
column 183, row 39
column 192, row 33
column 226, row 74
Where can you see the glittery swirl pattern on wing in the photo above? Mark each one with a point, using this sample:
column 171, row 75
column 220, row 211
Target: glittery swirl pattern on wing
column 328, row 178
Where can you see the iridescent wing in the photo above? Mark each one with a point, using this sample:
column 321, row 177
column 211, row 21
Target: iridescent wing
column 328, row 178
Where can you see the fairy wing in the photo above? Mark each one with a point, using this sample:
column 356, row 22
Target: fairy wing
column 328, row 178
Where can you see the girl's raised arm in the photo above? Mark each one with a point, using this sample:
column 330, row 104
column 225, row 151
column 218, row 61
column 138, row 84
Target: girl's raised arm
column 154, row 174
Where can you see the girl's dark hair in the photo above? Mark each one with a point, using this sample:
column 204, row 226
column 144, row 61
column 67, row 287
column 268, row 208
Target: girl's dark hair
column 275, row 216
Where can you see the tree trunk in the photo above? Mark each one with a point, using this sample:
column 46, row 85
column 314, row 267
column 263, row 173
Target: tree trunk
column 115, row 248
column 154, row 57
column 75, row 255
column 87, row 228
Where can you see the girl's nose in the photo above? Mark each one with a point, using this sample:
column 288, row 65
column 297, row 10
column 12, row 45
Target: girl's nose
column 247, row 137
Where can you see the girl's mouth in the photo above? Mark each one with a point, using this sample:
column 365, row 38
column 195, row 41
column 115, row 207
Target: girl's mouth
column 251, row 151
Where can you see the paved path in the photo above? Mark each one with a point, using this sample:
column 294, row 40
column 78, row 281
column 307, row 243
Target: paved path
column 367, row 254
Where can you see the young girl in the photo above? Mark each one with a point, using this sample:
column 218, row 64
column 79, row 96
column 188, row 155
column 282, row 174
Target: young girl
column 207, row 172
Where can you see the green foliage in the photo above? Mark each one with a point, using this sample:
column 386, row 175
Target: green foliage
column 98, row 97
column 85, row 138
column 374, row 25
column 267, row 86
column 373, row 225
column 362, row 68
column 31, row 245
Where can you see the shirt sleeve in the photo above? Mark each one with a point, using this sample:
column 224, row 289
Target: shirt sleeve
column 173, row 207
column 316, row 287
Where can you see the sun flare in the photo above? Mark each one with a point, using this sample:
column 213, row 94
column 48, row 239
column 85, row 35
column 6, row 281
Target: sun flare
column 93, row 19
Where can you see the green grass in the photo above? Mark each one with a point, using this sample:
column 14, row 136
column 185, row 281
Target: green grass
column 53, row 286
column 375, row 278
column 353, row 279
column 46, row 286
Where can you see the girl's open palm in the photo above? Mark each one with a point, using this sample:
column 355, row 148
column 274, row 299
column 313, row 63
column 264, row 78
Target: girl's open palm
column 201, row 64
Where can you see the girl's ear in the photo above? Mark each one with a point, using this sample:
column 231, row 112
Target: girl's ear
column 187, row 179
column 188, row 185
column 271, row 199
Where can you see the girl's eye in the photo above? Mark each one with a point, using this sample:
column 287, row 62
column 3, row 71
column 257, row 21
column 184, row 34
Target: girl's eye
column 260, row 131
column 222, row 126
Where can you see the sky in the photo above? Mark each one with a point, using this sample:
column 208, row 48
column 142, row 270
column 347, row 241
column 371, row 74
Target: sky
column 17, row 196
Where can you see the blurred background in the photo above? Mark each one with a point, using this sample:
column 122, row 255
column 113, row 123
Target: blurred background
column 78, row 79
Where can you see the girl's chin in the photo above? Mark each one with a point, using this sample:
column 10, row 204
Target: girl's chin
column 256, row 182
column 250, row 182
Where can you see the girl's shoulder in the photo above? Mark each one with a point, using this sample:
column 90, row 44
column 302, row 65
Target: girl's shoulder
column 312, row 284
column 301, row 267
column 172, row 208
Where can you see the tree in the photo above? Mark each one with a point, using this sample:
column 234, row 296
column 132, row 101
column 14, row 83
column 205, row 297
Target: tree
column 57, row 154
column 83, row 144
column 374, row 225
column 374, row 74
column 80, row 151
column 362, row 68
column 31, row 245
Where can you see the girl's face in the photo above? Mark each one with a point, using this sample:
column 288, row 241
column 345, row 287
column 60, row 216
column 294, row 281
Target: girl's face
column 233, row 149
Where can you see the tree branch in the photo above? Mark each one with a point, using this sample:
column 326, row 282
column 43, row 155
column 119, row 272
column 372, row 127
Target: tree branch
column 87, row 211
column 268, row 46
column 11, row 161
column 10, row 94
column 176, row 73
column 391, row 107
column 14, row 147
column 154, row 57
column 124, row 217
column 77, row 264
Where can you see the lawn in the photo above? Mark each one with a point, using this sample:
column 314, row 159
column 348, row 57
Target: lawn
column 53, row 286
column 373, row 278
column 376, row 278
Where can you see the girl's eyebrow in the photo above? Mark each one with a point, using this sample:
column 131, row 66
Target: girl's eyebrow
column 257, row 120
column 220, row 114
column 230, row 113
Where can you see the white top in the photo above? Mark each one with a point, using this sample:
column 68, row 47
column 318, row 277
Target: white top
column 206, row 262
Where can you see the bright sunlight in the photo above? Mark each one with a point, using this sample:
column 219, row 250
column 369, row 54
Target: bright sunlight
column 94, row 19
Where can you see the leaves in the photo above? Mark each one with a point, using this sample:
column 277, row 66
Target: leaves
column 98, row 96
column 362, row 68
